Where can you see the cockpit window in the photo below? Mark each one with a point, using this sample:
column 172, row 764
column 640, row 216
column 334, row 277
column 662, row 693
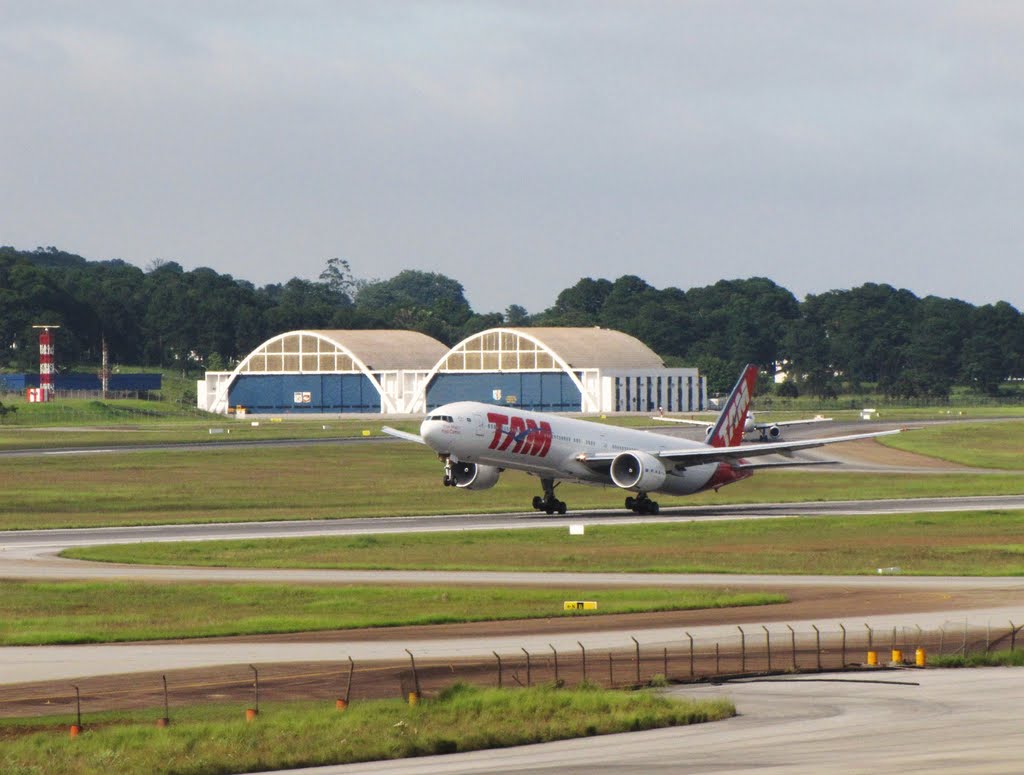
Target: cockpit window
column 440, row 418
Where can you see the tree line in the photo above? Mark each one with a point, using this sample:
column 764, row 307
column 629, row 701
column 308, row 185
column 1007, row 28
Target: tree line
column 873, row 337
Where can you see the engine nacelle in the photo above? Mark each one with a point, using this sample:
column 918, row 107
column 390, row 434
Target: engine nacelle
column 707, row 432
column 472, row 476
column 749, row 426
column 774, row 432
column 638, row 471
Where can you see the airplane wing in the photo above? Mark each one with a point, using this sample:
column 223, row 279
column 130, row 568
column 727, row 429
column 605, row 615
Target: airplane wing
column 809, row 421
column 402, row 435
column 701, row 423
column 705, row 454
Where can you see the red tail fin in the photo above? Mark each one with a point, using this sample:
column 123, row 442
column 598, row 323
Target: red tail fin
column 728, row 431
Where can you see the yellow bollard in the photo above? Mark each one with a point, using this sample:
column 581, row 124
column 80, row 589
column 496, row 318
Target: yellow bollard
column 920, row 657
column 251, row 713
column 897, row 657
column 75, row 731
column 872, row 659
column 341, row 704
column 413, row 698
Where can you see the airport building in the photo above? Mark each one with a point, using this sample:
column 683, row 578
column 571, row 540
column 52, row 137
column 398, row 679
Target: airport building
column 405, row 372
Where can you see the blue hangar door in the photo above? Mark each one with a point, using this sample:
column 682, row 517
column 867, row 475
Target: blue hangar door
column 538, row 391
column 304, row 393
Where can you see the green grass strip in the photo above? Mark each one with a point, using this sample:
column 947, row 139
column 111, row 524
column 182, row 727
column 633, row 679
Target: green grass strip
column 306, row 735
column 360, row 480
column 976, row 543
column 35, row 613
column 982, row 445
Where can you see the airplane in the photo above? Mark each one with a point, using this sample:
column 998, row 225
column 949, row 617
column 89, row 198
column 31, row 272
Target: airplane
column 768, row 430
column 478, row 441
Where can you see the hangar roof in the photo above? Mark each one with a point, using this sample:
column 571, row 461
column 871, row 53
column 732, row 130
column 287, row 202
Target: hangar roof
column 545, row 349
column 591, row 348
column 388, row 349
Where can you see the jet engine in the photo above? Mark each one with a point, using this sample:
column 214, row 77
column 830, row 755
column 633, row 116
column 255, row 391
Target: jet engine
column 638, row 471
column 473, row 476
column 774, row 432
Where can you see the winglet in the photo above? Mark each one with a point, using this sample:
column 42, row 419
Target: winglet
column 728, row 431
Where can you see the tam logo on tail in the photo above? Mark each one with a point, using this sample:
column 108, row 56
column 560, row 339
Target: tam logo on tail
column 728, row 431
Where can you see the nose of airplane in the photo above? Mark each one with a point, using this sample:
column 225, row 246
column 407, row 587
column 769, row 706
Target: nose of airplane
column 431, row 433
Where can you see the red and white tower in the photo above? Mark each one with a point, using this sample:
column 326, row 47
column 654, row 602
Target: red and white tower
column 45, row 362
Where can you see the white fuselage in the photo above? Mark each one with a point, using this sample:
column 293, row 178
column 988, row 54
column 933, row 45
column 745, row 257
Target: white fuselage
column 554, row 447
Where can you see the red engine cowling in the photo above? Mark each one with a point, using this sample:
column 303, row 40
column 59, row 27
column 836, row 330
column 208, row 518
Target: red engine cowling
column 473, row 476
column 638, row 470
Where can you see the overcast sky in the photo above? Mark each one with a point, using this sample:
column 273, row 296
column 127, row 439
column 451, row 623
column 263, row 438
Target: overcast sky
column 520, row 146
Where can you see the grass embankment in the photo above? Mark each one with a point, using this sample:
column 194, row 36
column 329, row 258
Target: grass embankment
column 36, row 613
column 1005, row 658
column 354, row 480
column 979, row 543
column 985, row 445
column 201, row 740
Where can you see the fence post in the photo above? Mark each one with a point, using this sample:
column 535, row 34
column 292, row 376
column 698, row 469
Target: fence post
column 351, row 673
column 988, row 635
column 664, row 658
column 77, row 726
column 254, row 711
column 768, row 646
column 1013, row 636
column 529, row 677
column 611, row 677
column 792, row 644
column 553, row 651
column 637, row 658
column 843, row 628
column 817, row 636
column 942, row 637
column 166, row 718
column 718, row 668
column 415, row 674
column 963, row 648
column 584, row 652
column 498, row 657
column 691, row 653
column 743, row 649
column 871, row 644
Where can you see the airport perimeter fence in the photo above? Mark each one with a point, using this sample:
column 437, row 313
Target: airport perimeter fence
column 750, row 652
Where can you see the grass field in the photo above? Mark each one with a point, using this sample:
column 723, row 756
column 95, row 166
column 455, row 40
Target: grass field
column 983, row 543
column 207, row 739
column 36, row 613
column 362, row 479
column 988, row 445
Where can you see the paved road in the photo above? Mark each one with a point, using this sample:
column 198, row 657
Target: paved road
column 908, row 722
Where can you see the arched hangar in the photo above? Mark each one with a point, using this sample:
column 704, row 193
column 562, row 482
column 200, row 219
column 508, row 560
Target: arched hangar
column 405, row 372
column 563, row 370
column 326, row 371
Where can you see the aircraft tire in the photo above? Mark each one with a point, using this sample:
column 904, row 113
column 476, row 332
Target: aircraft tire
column 631, row 504
column 538, row 503
column 561, row 507
column 654, row 508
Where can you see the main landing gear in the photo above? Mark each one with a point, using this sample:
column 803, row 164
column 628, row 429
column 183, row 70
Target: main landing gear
column 548, row 503
column 641, row 504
